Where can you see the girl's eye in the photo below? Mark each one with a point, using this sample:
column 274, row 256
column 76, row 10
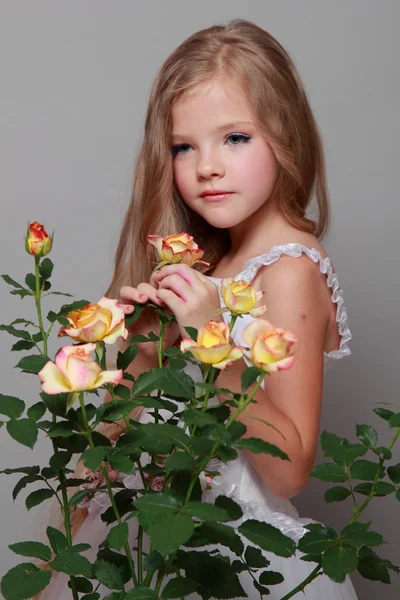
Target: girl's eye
column 238, row 138
column 235, row 139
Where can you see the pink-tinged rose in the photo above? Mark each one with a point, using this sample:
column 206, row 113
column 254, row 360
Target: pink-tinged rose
column 94, row 322
column 74, row 370
column 213, row 345
column 240, row 297
column 157, row 485
column 37, row 240
column 271, row 348
column 179, row 248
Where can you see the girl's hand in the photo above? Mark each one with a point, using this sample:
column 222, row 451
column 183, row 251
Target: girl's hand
column 190, row 295
column 148, row 320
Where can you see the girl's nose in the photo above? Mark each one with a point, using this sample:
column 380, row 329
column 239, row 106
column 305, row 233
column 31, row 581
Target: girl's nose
column 210, row 166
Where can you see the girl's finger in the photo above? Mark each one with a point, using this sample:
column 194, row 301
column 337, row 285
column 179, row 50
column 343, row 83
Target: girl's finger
column 179, row 286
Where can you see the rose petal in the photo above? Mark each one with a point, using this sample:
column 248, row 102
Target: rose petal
column 109, row 377
column 53, row 380
column 82, row 375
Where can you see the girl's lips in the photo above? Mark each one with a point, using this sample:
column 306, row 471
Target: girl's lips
column 216, row 197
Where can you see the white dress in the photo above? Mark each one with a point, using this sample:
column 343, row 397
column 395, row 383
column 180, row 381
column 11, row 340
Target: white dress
column 240, row 481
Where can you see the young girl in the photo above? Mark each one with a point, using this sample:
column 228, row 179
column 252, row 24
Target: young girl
column 232, row 155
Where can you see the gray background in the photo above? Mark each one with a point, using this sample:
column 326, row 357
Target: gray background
column 75, row 79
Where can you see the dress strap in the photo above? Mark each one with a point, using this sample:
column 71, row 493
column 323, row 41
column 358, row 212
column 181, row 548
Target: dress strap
column 295, row 250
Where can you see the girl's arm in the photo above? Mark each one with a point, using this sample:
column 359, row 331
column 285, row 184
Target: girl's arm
column 297, row 299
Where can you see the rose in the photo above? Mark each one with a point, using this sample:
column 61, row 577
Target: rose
column 179, row 248
column 240, row 298
column 102, row 321
column 213, row 345
column 271, row 349
column 157, row 484
column 37, row 240
column 74, row 370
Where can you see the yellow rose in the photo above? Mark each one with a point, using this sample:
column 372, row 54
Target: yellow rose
column 240, row 297
column 74, row 370
column 213, row 345
column 102, row 321
column 37, row 241
column 271, row 349
column 179, row 248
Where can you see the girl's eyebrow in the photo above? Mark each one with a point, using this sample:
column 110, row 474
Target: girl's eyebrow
column 231, row 125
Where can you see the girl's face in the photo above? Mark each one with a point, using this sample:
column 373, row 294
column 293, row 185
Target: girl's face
column 216, row 145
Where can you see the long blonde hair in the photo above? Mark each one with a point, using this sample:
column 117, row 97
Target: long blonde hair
column 266, row 74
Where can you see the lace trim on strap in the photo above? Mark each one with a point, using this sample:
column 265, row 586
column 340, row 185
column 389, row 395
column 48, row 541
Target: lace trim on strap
column 296, row 250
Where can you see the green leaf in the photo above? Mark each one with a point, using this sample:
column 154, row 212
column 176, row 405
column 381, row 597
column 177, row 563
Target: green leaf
column 122, row 391
column 371, row 566
column 394, row 473
column 382, row 488
column 140, row 593
column 357, row 534
column 270, row 578
column 157, row 503
column 205, row 511
column 337, row 494
column 179, row 461
column 109, row 575
column 55, row 403
column 179, row 587
column 394, row 420
column 21, row 293
column 329, row 472
column 367, row 435
column 59, row 460
column 38, row 497
column 318, row 539
column 173, row 382
column 340, row 449
column 72, row 563
column 249, row 376
column 267, row 537
column 22, row 483
column 232, row 508
column 11, row 407
column 36, row 411
column 382, row 450
column 167, row 534
column 57, row 539
column 197, row 417
column 114, row 410
column 192, row 332
column 125, row 358
column 118, row 536
column 153, row 561
column 383, row 413
column 28, row 470
column 24, row 581
column 32, row 549
column 46, row 269
column 338, row 562
column 254, row 558
column 218, row 533
column 22, row 345
column 259, row 446
column 61, row 429
column 20, row 333
column 94, row 596
column 167, row 433
column 24, row 431
column 78, row 497
column 365, row 470
column 30, row 281
column 122, row 464
column 93, row 457
column 82, row 585
column 12, row 282
column 32, row 364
